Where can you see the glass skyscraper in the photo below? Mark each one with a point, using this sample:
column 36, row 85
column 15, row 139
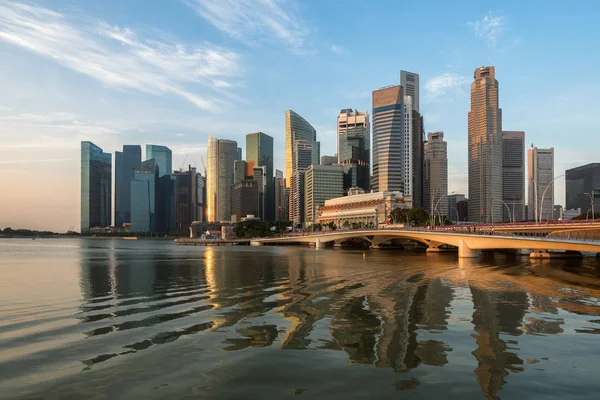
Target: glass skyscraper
column 354, row 139
column 163, row 157
column 259, row 149
column 297, row 128
column 144, row 188
column 219, row 178
column 96, row 187
column 125, row 163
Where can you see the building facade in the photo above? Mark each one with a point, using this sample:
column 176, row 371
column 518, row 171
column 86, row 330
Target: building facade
column 329, row 160
column 244, row 200
column 540, row 177
column 125, row 163
column 297, row 128
column 485, row 148
column 144, row 197
column 163, row 157
column 367, row 209
column 388, row 138
column 96, row 187
column 410, row 82
column 259, row 149
column 435, row 175
column 583, row 187
column 417, row 145
column 280, row 203
column 189, row 199
column 239, row 171
column 513, row 176
column 454, row 214
column 303, row 158
column 219, row 178
column 322, row 182
column 354, row 137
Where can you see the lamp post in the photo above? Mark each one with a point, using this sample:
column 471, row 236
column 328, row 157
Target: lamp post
column 508, row 210
column 438, row 202
column 542, row 202
column 535, row 205
column 591, row 196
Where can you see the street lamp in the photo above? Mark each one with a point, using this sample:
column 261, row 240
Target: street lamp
column 591, row 196
column 508, row 210
column 542, row 202
column 438, row 202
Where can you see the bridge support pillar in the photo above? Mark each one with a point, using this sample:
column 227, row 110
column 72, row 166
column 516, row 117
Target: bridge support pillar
column 255, row 243
column 319, row 244
column 465, row 251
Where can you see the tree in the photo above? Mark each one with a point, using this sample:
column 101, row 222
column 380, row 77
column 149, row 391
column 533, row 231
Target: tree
column 414, row 216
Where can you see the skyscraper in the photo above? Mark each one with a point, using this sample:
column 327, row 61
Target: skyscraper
column 144, row 193
column 540, row 171
column 410, row 82
column 322, row 182
column 329, row 160
column 416, row 144
column 125, row 163
column 513, row 175
column 454, row 213
column 96, row 187
column 388, row 138
column 297, row 128
column 485, row 148
column 303, row 158
column 239, row 171
column 280, row 204
column 259, row 149
column 583, row 188
column 435, row 175
column 239, row 153
column 354, row 137
column 163, row 157
column 189, row 186
column 219, row 178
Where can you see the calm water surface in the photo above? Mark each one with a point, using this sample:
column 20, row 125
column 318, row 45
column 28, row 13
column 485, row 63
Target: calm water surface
column 147, row 319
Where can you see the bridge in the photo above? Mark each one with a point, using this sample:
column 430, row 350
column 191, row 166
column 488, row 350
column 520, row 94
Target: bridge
column 468, row 244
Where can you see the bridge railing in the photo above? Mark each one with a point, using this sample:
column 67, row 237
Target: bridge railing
column 577, row 235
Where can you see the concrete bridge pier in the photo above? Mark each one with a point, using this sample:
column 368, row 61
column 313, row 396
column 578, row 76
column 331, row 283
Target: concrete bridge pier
column 255, row 243
column 319, row 244
column 464, row 251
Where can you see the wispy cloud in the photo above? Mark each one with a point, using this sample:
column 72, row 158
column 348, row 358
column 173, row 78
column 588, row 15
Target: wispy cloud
column 489, row 28
column 442, row 84
column 252, row 21
column 337, row 49
column 118, row 56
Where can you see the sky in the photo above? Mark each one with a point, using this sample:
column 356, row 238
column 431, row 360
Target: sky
column 136, row 72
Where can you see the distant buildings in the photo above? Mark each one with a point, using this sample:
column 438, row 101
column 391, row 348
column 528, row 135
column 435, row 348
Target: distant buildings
column 354, row 137
column 322, row 182
column 96, row 187
column 259, row 150
column 583, row 187
column 410, row 82
column 302, row 159
column 540, row 176
column 125, row 163
column 163, row 157
column 281, row 206
column 244, row 200
column 485, row 148
column 144, row 193
column 454, row 213
column 297, row 128
column 513, row 176
column 435, row 177
column 388, row 136
column 219, row 178
column 329, row 160
column 189, row 200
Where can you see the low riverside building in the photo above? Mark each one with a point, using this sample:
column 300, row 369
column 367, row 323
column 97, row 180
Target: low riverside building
column 368, row 209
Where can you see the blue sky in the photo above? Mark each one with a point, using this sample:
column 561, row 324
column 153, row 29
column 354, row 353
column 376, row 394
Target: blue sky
column 137, row 72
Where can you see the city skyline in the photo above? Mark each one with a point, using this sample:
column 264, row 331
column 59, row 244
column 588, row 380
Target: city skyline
column 44, row 113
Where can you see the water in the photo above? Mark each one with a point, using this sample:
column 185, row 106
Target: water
column 147, row 319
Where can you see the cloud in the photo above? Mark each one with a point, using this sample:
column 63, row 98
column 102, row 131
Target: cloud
column 252, row 21
column 489, row 28
column 441, row 84
column 119, row 57
column 47, row 160
column 337, row 49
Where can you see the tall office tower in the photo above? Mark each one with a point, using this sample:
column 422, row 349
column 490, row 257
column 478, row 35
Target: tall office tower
column 96, row 187
column 163, row 157
column 200, row 197
column 417, row 158
column 583, row 188
column 410, row 82
column 454, row 214
column 144, row 193
column 186, row 202
column 329, row 160
column 259, row 149
column 303, row 158
column 219, row 178
column 321, row 182
column 239, row 171
column 388, row 139
column 485, row 149
column 540, row 171
column 244, row 200
column 435, row 175
column 354, row 137
column 513, row 176
column 125, row 163
column 408, row 159
column 297, row 128
column 280, row 206
column 239, row 153
column 259, row 175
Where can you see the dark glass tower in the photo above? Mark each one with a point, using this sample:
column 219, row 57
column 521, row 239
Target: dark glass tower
column 96, row 187
column 259, row 149
column 125, row 163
